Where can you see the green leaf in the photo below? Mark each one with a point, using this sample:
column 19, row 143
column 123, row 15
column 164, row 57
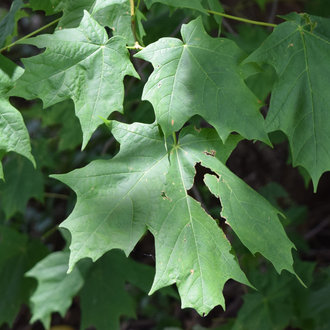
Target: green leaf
column 70, row 135
column 215, row 5
column 272, row 308
column 191, row 250
column 115, row 197
column 298, row 50
column 201, row 75
column 8, row 23
column 85, row 66
column 17, row 255
column 55, row 288
column 50, row 7
column 190, row 4
column 115, row 14
column 252, row 217
column 13, row 133
column 22, row 182
column 104, row 297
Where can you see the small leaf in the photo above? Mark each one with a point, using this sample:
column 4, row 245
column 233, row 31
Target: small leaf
column 191, row 4
column 50, row 7
column 22, row 182
column 55, row 288
column 8, row 23
column 17, row 255
column 104, row 297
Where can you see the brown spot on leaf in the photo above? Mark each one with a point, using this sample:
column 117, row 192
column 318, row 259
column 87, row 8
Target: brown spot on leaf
column 210, row 153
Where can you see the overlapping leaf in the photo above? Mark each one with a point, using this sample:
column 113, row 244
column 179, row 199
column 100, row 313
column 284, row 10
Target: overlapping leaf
column 117, row 197
column 50, row 7
column 82, row 64
column 115, row 14
column 298, row 50
column 8, row 23
column 191, row 4
column 13, row 133
column 17, row 255
column 55, row 288
column 104, row 297
column 22, row 182
column 201, row 76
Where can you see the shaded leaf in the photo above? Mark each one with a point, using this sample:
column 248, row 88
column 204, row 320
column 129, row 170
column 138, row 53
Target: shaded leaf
column 50, row 7
column 8, row 23
column 298, row 50
column 55, row 288
column 22, row 182
column 191, row 4
column 17, row 255
column 104, row 297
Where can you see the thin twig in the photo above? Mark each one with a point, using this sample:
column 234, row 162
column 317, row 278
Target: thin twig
column 273, row 11
column 241, row 19
column 54, row 195
column 317, row 229
column 30, row 35
column 228, row 27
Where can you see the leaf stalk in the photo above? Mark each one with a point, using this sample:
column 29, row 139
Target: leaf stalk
column 241, row 19
column 30, row 34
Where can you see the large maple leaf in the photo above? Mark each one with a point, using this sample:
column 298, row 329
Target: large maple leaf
column 201, row 75
column 82, row 64
column 142, row 188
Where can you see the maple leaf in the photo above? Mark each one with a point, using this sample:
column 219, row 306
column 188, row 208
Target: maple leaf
column 50, row 7
column 115, row 14
column 8, row 23
column 22, row 182
column 191, row 250
column 85, row 66
column 17, row 255
column 201, row 76
column 13, row 133
column 55, row 288
column 299, row 104
column 200, row 260
column 128, row 191
column 115, row 197
column 104, row 297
